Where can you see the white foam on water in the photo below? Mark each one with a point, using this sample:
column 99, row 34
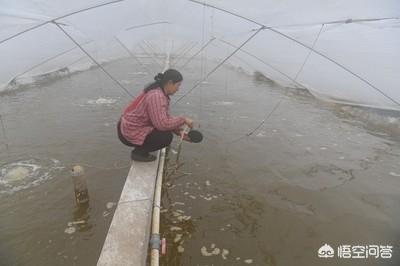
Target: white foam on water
column 261, row 134
column 16, row 174
column 102, row 101
column 76, row 223
column 392, row 120
column 213, row 252
column 139, row 73
column 225, row 253
column 24, row 174
column 69, row 230
column 184, row 218
column 223, row 103
column 206, row 198
column 205, row 252
column 177, row 238
column 109, row 205
column 177, row 203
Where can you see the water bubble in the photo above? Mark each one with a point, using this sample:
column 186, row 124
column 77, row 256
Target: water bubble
column 69, row 230
column 177, row 203
column 184, row 218
column 24, row 174
column 248, row 261
column 204, row 252
column 102, row 101
column 109, row 205
column 177, row 238
column 223, row 103
column 225, row 253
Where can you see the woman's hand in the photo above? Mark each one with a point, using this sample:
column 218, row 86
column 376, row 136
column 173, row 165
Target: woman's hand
column 186, row 138
column 189, row 122
column 179, row 132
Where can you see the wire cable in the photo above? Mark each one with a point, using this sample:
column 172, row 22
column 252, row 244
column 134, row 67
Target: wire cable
column 146, row 25
column 304, row 45
column 262, row 61
column 283, row 97
column 131, row 54
column 178, row 58
column 343, row 21
column 219, row 65
column 260, row 124
column 57, row 18
column 152, row 51
column 181, row 48
column 198, row 52
column 150, row 55
column 309, row 53
column 94, row 60
column 44, row 62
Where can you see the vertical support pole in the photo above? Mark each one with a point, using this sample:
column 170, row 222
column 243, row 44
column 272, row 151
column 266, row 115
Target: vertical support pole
column 80, row 186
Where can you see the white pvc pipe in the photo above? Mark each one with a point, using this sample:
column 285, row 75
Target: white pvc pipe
column 155, row 227
column 155, row 224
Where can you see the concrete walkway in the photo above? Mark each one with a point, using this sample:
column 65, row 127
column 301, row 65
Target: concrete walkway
column 127, row 240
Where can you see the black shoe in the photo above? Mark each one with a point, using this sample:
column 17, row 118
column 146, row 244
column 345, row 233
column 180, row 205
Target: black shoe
column 140, row 156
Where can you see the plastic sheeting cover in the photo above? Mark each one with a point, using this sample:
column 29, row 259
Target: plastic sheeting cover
column 355, row 57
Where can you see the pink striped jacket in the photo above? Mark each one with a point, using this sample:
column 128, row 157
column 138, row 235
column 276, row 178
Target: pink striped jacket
column 146, row 112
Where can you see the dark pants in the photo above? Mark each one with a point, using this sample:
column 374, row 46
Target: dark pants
column 156, row 140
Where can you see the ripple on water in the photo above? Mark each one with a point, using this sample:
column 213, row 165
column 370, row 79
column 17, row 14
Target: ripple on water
column 102, row 101
column 24, row 174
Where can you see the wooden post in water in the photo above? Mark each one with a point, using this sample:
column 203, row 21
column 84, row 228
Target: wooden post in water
column 80, row 186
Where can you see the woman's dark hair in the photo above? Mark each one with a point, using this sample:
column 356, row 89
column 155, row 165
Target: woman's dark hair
column 162, row 78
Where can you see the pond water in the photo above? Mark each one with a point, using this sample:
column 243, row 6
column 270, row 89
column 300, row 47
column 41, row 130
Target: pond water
column 312, row 173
